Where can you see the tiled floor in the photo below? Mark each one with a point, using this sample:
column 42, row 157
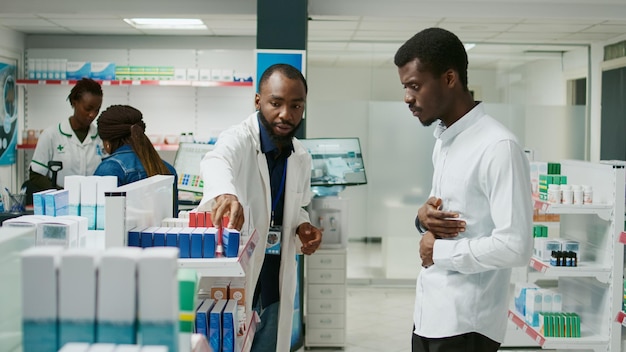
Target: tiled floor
column 379, row 313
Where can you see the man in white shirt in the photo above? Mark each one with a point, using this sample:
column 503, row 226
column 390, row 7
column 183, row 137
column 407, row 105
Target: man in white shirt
column 477, row 223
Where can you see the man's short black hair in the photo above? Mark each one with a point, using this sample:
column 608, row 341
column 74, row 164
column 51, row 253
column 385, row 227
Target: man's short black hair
column 285, row 69
column 438, row 50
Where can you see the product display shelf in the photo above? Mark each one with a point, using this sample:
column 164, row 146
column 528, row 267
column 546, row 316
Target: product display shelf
column 602, row 210
column 224, row 267
column 215, row 268
column 158, row 147
column 585, row 269
column 69, row 82
column 587, row 340
column 593, row 289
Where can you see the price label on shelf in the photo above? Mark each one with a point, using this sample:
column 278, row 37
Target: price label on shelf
column 538, row 265
column 621, row 318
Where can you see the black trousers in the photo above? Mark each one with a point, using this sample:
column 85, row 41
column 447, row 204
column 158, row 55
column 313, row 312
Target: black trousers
column 469, row 342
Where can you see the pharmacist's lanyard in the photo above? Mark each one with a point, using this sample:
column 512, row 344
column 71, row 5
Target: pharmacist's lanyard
column 280, row 192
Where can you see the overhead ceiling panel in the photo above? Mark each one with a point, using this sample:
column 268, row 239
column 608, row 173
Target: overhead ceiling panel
column 338, row 25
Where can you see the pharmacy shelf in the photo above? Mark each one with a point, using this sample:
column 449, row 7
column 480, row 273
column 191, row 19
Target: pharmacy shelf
column 223, row 267
column 53, row 82
column 158, row 147
column 199, row 342
column 603, row 210
column 584, row 269
column 587, row 340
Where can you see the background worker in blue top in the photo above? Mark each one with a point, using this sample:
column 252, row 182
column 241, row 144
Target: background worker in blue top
column 132, row 155
column 74, row 141
column 259, row 164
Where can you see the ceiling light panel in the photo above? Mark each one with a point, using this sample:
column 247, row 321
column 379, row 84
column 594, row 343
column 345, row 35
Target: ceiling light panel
column 166, row 23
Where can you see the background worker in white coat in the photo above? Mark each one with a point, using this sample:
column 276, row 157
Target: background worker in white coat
column 259, row 164
column 73, row 141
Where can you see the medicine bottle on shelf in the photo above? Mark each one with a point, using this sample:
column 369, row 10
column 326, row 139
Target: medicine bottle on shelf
column 578, row 194
column 587, row 194
column 554, row 193
column 567, row 194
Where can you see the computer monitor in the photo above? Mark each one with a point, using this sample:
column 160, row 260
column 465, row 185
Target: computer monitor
column 187, row 165
column 336, row 161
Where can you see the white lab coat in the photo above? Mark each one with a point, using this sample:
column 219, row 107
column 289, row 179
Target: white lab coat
column 238, row 166
column 59, row 143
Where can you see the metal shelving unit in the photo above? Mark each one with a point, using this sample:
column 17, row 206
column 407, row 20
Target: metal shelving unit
column 170, row 83
column 231, row 267
column 594, row 289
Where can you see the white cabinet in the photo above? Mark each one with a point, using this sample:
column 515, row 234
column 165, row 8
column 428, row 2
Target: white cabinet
column 594, row 289
column 326, row 298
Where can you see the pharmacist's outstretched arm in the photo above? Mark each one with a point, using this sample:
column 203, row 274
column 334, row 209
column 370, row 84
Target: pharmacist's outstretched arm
column 227, row 205
column 439, row 222
column 310, row 236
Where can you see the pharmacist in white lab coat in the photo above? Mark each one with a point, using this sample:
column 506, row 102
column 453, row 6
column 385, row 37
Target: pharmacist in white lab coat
column 259, row 164
column 74, row 141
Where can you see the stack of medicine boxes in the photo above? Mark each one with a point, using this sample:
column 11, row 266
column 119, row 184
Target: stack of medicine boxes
column 120, row 295
column 552, row 175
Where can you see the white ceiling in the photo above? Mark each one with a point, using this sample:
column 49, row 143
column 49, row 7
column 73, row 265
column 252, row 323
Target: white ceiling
column 354, row 32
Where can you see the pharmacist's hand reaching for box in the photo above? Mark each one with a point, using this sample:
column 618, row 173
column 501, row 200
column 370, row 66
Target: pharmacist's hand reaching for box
column 227, row 205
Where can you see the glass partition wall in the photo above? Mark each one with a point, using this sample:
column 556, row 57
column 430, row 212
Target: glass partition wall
column 531, row 97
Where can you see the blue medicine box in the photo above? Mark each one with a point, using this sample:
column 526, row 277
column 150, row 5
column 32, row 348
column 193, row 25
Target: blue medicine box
column 158, row 237
column 146, row 238
column 230, row 242
column 103, row 70
column 196, row 242
column 56, row 203
column 171, row 237
column 210, row 240
column 78, row 69
column 202, row 316
column 134, row 236
column 184, row 242
column 215, row 325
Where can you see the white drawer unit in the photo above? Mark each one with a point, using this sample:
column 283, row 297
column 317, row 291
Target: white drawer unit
column 325, row 306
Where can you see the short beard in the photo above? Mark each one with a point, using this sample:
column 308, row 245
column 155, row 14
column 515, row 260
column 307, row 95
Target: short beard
column 428, row 123
column 279, row 141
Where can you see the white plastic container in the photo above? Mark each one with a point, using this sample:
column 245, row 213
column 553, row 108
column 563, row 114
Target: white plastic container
column 578, row 194
column 554, row 193
column 567, row 194
column 587, row 194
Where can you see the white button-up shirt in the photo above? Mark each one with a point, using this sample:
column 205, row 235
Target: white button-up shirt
column 481, row 172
